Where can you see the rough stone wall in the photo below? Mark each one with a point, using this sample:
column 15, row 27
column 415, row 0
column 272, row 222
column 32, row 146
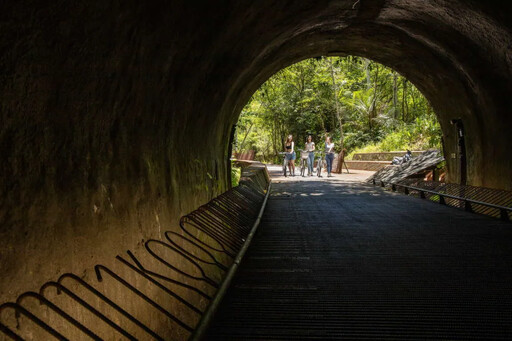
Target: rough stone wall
column 115, row 116
column 103, row 145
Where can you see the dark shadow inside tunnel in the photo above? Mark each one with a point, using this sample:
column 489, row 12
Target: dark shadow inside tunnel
column 116, row 118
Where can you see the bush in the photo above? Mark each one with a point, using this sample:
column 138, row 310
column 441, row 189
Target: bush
column 235, row 175
column 419, row 136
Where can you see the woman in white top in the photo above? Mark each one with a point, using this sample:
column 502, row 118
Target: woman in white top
column 329, row 155
column 310, row 147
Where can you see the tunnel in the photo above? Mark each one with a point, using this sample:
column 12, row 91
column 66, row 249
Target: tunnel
column 116, row 116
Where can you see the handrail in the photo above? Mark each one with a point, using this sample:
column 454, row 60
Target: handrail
column 208, row 315
column 209, row 245
column 468, row 201
column 99, row 268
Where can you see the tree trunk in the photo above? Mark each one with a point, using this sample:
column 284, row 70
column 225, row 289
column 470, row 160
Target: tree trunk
column 241, row 147
column 404, row 100
column 395, row 95
column 339, row 166
column 373, row 106
column 367, row 71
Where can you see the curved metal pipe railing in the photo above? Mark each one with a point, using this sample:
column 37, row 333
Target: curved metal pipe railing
column 212, row 240
column 101, row 268
column 473, row 199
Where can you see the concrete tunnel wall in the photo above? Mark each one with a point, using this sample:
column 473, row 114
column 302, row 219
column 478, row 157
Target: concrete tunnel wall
column 116, row 116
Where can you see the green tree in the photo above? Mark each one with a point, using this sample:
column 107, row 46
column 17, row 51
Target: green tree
column 358, row 102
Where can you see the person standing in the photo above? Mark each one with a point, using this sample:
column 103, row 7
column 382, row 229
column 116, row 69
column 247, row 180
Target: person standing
column 289, row 146
column 329, row 155
column 310, row 148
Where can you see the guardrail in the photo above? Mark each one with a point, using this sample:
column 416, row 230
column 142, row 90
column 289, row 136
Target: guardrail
column 487, row 201
column 216, row 235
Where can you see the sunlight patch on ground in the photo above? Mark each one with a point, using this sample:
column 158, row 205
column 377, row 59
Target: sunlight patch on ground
column 276, row 174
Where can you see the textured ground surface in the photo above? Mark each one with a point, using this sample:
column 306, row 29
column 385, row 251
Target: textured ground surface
column 116, row 117
column 336, row 259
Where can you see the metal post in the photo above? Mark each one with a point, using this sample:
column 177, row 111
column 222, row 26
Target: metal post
column 207, row 317
column 441, row 200
column 504, row 215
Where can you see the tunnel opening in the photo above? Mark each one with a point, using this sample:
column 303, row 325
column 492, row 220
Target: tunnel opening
column 366, row 108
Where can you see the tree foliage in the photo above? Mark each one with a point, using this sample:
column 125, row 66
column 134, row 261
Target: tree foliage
column 359, row 103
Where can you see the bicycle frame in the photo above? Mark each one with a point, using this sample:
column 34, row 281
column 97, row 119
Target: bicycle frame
column 285, row 164
column 320, row 163
column 304, row 155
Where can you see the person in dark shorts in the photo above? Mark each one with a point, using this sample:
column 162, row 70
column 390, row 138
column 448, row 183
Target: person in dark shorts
column 289, row 148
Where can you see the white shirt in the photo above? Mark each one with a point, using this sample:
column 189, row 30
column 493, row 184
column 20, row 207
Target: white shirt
column 329, row 147
column 310, row 146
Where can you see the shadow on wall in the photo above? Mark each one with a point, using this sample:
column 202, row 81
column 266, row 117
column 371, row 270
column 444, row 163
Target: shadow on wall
column 159, row 293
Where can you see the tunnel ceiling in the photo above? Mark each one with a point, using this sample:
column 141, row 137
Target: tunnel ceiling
column 456, row 53
column 116, row 116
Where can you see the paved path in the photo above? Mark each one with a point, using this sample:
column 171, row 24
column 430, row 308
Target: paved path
column 335, row 259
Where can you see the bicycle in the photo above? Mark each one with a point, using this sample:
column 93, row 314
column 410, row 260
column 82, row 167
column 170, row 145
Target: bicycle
column 285, row 163
column 304, row 155
column 319, row 163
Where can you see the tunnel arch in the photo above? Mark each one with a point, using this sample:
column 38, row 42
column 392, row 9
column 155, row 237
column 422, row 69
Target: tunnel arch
column 116, row 117
column 454, row 85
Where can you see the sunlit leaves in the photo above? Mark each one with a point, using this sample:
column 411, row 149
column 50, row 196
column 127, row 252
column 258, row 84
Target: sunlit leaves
column 378, row 107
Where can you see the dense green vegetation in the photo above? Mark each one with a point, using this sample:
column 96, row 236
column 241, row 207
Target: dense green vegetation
column 362, row 105
column 235, row 175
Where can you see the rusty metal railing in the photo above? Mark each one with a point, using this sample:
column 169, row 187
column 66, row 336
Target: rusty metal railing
column 214, row 235
column 487, row 201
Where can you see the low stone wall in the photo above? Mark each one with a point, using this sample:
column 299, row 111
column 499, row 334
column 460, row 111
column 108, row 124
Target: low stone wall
column 367, row 165
column 382, row 156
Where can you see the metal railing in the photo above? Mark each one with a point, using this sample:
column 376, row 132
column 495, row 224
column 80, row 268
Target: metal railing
column 214, row 235
column 486, row 201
